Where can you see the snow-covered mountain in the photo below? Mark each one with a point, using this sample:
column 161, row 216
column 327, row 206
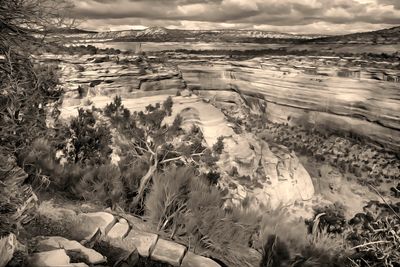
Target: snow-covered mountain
column 162, row 34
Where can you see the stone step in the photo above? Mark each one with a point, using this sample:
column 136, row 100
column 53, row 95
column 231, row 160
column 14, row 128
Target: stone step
column 144, row 242
column 193, row 260
column 168, row 252
column 119, row 230
column 91, row 222
column 57, row 242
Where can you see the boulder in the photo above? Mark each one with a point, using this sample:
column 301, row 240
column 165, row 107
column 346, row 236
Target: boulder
column 56, row 242
column 49, row 259
column 193, row 260
column 91, row 222
column 7, row 248
column 119, row 230
column 168, row 252
column 143, row 241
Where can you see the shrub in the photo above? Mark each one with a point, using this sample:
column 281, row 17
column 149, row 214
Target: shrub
column 102, row 184
column 90, row 139
column 188, row 208
column 275, row 253
column 288, row 243
column 331, row 218
column 219, row 145
column 167, row 105
column 168, row 196
column 213, row 177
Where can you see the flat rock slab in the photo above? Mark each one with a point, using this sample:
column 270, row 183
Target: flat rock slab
column 193, row 260
column 168, row 252
column 119, row 230
column 49, row 259
column 144, row 242
column 91, row 222
column 57, row 242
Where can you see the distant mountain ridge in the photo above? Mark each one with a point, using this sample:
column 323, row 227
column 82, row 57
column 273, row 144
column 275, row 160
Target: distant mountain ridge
column 160, row 34
column 384, row 36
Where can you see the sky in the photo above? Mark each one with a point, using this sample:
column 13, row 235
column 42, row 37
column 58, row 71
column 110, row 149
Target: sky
column 290, row 16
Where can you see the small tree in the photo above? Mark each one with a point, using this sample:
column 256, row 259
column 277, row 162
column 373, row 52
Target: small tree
column 219, row 145
column 167, row 105
column 152, row 141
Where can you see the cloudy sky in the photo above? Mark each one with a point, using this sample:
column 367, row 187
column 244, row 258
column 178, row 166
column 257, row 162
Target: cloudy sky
column 293, row 16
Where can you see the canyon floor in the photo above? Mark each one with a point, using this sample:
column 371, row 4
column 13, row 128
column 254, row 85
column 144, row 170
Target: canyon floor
column 347, row 98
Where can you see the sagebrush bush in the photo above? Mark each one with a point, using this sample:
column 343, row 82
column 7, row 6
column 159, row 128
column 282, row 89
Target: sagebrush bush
column 102, row 184
column 168, row 196
column 186, row 206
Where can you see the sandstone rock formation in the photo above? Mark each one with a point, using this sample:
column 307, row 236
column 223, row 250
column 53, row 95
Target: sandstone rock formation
column 268, row 176
column 339, row 94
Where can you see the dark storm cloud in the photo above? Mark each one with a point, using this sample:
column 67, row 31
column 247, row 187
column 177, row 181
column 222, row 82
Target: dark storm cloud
column 243, row 12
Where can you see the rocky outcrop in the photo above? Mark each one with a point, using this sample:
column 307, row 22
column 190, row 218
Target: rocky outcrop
column 265, row 176
column 366, row 104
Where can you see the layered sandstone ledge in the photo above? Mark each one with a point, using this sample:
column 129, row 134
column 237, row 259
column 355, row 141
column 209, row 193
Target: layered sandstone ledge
column 297, row 95
column 340, row 94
